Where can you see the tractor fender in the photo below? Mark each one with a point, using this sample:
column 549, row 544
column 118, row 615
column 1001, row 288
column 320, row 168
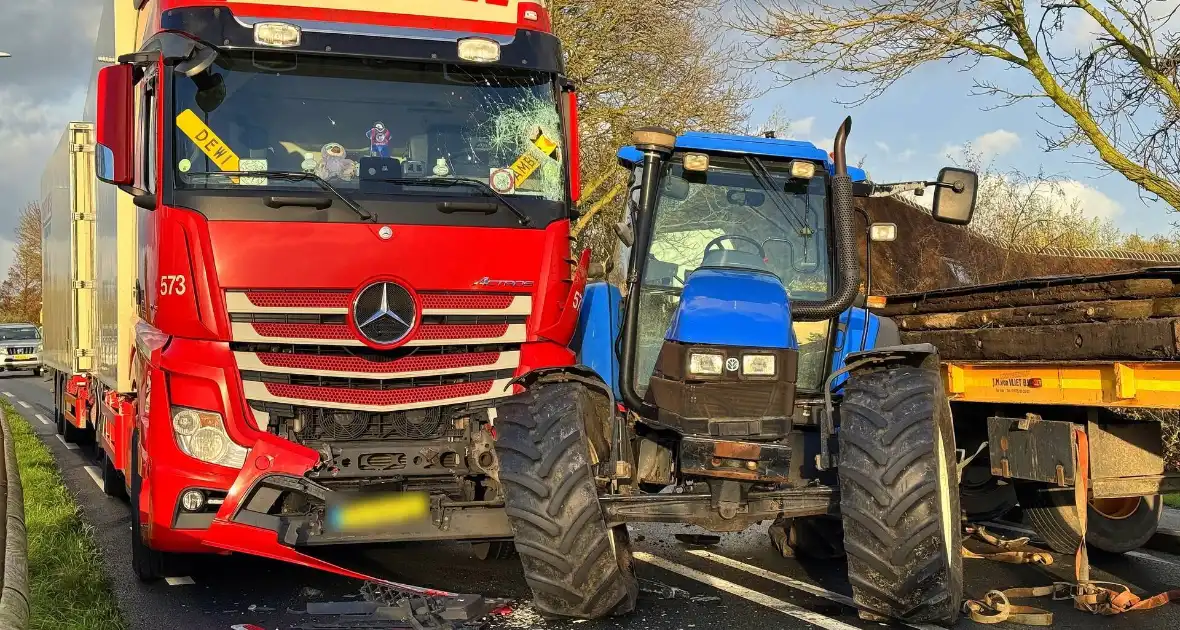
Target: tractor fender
column 564, row 374
column 916, row 354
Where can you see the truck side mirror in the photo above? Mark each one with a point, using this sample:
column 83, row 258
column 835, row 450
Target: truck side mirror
column 114, row 155
column 955, row 196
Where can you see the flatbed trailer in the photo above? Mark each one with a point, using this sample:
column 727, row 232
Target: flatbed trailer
column 1027, row 364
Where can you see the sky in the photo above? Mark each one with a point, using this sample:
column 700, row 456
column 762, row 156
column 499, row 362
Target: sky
column 905, row 134
column 909, row 132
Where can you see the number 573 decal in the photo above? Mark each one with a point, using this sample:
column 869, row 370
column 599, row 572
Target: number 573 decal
column 173, row 285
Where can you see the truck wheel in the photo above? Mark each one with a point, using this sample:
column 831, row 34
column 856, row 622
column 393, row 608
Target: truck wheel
column 985, row 497
column 112, row 480
column 899, row 495
column 149, row 564
column 1114, row 525
column 494, row 550
column 575, row 565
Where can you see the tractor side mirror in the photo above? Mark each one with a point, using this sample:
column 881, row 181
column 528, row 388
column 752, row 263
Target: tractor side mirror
column 114, row 154
column 955, row 196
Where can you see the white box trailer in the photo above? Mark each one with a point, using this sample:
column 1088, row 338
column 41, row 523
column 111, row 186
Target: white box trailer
column 67, row 232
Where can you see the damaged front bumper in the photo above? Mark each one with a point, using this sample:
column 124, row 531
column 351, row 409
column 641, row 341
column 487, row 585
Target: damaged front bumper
column 248, row 522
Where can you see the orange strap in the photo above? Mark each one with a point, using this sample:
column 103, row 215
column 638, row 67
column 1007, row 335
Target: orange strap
column 1099, row 598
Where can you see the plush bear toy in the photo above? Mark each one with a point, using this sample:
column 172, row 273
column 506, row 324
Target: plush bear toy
column 335, row 163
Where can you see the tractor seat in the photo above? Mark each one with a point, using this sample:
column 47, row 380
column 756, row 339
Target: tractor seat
column 734, row 258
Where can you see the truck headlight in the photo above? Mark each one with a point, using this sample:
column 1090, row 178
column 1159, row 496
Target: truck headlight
column 201, row 434
column 40, row 348
column 758, row 365
column 705, row 363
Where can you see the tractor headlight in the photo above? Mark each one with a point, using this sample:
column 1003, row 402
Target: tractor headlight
column 201, row 434
column 758, row 365
column 705, row 363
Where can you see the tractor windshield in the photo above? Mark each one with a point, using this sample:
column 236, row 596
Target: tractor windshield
column 726, row 217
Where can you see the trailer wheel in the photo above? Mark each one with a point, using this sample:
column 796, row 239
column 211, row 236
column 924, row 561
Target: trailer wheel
column 1114, row 525
column 113, row 483
column 575, row 565
column 899, row 495
column 149, row 564
column 494, row 550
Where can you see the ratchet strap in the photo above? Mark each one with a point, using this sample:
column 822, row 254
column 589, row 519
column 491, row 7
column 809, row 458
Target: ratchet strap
column 1099, row 598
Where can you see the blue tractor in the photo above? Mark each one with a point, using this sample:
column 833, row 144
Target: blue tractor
column 736, row 379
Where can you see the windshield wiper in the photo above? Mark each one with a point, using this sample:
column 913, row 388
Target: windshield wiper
column 763, row 177
column 457, row 181
column 298, row 176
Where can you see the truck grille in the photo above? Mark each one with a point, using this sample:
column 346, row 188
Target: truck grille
column 303, row 366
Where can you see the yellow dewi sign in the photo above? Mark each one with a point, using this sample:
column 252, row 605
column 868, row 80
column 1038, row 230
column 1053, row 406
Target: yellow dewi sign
column 483, row 10
column 208, row 142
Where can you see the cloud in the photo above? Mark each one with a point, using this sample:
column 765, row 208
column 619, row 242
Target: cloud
column 42, row 87
column 988, row 145
column 996, row 142
column 801, row 129
column 1080, row 31
column 1092, row 202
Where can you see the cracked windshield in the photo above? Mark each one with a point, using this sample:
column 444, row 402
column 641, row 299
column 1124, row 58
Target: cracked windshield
column 359, row 123
column 726, row 217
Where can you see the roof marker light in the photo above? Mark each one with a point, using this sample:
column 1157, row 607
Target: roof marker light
column 479, row 49
column 277, row 34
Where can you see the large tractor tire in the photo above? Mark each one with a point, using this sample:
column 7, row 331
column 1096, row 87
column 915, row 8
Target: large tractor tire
column 899, row 495
column 576, row 566
column 1113, row 525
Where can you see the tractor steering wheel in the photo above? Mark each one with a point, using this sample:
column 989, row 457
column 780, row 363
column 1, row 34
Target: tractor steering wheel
column 734, row 237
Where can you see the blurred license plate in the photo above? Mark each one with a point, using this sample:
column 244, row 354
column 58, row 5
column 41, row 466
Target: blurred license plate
column 23, row 357
column 368, row 512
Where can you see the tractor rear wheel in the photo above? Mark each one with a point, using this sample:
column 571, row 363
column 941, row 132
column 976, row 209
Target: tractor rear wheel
column 1113, row 525
column 899, row 495
column 575, row 564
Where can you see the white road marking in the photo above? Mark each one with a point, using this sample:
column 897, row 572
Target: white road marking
column 9, row 394
column 24, row 404
column 72, row 447
column 95, row 475
column 761, row 599
column 179, row 581
column 43, row 419
column 787, row 581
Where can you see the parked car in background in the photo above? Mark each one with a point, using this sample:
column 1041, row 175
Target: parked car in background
column 20, row 348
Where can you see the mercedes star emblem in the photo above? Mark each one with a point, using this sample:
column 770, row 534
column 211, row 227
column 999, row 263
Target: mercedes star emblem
column 384, row 312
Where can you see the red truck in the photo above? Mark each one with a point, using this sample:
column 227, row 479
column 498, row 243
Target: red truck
column 328, row 235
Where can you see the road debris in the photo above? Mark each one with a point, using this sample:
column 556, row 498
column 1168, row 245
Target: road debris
column 699, row 540
column 383, row 606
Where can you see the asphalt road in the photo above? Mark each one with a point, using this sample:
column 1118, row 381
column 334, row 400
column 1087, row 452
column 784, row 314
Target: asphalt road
column 741, row 584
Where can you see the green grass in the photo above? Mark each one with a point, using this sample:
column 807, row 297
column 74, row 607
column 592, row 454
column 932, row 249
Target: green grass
column 69, row 590
column 1172, row 500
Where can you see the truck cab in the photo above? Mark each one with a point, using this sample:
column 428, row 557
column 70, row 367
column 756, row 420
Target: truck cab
column 330, row 235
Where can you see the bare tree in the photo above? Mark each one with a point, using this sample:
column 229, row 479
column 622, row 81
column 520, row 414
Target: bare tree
column 642, row 63
column 1118, row 94
column 20, row 293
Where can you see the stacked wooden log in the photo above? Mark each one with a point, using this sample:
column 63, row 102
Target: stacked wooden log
column 1115, row 317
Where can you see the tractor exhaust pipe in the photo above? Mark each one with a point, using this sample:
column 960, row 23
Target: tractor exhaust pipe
column 656, row 144
column 844, row 225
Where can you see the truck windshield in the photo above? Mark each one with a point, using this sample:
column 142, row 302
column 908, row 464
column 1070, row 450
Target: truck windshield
column 359, row 123
column 725, row 217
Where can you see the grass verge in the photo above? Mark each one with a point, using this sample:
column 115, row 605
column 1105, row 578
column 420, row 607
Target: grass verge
column 69, row 590
column 1172, row 500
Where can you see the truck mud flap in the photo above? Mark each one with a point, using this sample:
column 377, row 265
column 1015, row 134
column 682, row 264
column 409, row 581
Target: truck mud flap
column 272, row 455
